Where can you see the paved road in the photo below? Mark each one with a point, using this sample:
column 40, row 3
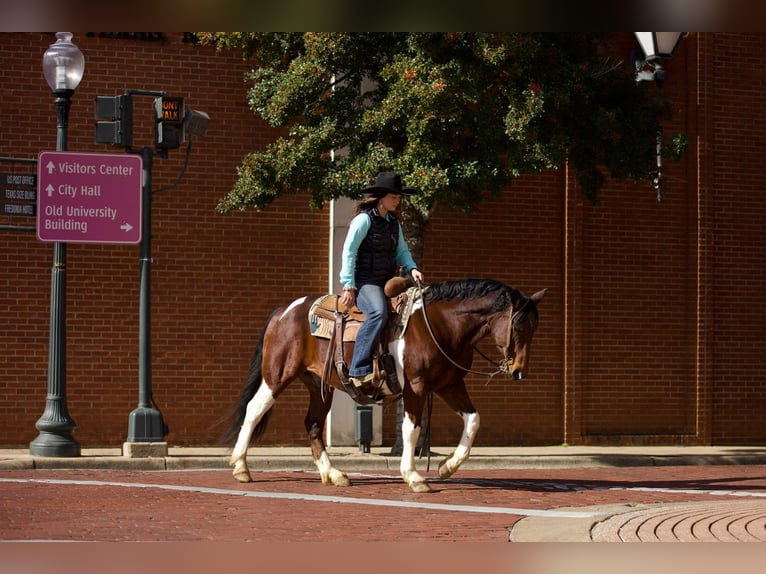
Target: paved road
column 486, row 505
column 286, row 521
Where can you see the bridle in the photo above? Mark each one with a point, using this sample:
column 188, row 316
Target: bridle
column 503, row 366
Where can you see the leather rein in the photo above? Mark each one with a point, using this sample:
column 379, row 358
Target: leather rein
column 503, row 366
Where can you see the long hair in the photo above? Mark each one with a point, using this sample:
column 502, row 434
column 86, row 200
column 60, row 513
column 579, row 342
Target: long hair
column 367, row 203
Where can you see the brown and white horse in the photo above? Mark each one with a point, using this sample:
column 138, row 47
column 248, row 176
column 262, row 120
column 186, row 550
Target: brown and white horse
column 433, row 356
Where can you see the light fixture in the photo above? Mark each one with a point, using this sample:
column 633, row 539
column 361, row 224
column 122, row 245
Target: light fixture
column 657, row 47
column 63, row 63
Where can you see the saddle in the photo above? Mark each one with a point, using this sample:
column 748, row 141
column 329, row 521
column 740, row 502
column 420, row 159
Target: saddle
column 330, row 319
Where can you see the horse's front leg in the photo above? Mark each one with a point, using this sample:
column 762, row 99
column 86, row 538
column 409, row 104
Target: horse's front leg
column 449, row 465
column 319, row 406
column 456, row 397
column 410, row 434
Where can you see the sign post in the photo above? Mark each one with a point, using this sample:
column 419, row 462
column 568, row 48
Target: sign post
column 145, row 422
column 89, row 198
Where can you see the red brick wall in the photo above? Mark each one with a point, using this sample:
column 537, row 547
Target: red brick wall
column 738, row 228
column 215, row 277
column 652, row 329
column 516, row 239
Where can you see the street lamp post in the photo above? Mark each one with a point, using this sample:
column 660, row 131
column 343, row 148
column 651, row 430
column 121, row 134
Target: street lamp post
column 63, row 67
column 657, row 48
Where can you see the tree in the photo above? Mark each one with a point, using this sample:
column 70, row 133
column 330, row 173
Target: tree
column 458, row 114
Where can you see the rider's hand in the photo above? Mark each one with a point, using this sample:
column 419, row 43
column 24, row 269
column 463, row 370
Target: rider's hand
column 349, row 297
column 417, row 276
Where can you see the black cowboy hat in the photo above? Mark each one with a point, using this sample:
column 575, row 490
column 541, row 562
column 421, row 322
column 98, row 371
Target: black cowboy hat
column 388, row 182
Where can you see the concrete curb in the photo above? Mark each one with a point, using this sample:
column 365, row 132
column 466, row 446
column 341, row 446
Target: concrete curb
column 348, row 458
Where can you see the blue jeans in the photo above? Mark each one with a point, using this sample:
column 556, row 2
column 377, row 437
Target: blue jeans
column 372, row 301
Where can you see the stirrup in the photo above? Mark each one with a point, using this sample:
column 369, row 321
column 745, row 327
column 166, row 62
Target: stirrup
column 354, row 391
column 364, row 379
column 389, row 368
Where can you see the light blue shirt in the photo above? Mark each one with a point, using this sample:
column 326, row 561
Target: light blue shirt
column 357, row 231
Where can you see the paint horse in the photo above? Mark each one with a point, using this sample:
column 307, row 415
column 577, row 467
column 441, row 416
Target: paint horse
column 432, row 356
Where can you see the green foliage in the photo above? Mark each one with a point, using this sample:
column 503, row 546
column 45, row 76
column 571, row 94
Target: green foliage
column 458, row 114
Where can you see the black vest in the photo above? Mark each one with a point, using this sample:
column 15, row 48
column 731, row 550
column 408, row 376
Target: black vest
column 376, row 257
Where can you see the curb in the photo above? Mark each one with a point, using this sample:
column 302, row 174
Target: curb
column 276, row 461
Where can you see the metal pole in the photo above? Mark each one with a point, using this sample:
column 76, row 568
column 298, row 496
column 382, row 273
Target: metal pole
column 657, row 180
column 145, row 423
column 55, row 424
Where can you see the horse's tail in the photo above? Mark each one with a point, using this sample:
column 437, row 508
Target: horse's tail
column 239, row 409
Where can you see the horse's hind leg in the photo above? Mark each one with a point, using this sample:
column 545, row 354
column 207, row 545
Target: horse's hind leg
column 457, row 398
column 258, row 406
column 319, row 406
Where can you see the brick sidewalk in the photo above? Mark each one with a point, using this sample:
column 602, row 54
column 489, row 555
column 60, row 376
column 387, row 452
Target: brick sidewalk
column 712, row 521
column 474, row 506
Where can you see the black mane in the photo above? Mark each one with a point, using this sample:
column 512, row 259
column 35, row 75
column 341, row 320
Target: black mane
column 473, row 289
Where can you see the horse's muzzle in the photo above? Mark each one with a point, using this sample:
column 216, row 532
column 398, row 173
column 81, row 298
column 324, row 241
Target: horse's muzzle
column 517, row 374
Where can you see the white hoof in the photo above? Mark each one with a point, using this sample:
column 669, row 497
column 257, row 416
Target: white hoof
column 335, row 478
column 446, row 469
column 416, row 482
column 421, row 486
column 241, row 472
column 338, row 478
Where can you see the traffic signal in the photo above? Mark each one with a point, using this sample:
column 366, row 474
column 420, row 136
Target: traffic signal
column 169, row 122
column 114, row 125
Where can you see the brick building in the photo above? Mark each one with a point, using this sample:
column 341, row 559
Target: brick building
column 653, row 330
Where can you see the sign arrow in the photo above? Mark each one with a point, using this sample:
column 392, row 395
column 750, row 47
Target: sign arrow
column 126, row 227
column 50, row 166
column 49, row 189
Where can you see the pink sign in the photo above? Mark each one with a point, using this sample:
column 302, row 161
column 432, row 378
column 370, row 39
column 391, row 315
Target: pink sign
column 89, row 197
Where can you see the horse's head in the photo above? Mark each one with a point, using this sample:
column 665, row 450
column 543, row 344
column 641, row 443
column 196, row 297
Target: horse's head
column 515, row 334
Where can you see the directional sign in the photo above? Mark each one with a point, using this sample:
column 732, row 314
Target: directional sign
column 89, row 197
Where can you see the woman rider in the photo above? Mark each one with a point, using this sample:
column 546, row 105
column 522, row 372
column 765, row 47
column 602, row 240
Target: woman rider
column 373, row 248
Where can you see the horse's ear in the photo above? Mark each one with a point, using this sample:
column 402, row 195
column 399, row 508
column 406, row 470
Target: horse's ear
column 537, row 297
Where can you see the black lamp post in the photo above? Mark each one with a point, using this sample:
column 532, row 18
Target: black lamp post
column 657, row 48
column 63, row 67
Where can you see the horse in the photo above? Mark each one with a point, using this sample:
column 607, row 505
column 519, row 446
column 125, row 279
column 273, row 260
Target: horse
column 432, row 356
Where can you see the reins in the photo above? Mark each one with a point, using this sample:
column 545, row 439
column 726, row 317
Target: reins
column 500, row 367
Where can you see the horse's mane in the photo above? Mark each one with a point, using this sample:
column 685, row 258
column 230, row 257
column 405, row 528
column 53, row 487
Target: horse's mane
column 463, row 289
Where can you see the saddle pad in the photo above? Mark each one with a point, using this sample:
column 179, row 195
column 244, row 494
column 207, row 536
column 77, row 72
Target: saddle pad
column 322, row 319
column 404, row 311
column 322, row 316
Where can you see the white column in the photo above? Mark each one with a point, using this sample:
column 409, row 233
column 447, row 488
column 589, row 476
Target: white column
column 342, row 418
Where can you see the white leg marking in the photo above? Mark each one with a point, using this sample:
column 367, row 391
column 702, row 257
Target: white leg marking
column 293, row 304
column 411, row 476
column 330, row 474
column 396, row 349
column 256, row 408
column 324, row 466
column 471, row 423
